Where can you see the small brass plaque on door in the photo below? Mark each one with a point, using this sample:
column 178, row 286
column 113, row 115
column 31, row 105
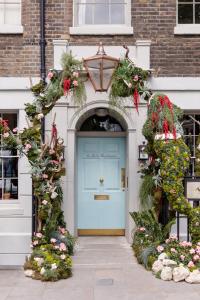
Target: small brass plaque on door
column 101, row 197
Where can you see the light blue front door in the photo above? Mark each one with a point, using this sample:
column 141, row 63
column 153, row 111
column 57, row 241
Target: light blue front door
column 101, row 193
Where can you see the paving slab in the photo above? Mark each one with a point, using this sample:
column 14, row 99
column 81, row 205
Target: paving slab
column 104, row 268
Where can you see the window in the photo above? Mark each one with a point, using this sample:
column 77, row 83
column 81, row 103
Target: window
column 188, row 11
column 102, row 17
column 10, row 16
column 94, row 12
column 96, row 123
column 191, row 128
column 8, row 164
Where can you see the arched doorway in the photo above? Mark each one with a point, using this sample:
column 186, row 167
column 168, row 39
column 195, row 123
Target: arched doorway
column 127, row 120
column 101, row 174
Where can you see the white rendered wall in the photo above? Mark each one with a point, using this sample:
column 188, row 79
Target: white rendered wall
column 15, row 215
column 15, row 218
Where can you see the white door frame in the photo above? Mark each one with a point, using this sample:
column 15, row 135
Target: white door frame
column 131, row 165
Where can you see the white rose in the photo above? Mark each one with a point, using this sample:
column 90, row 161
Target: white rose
column 42, row 271
column 54, row 195
column 53, row 266
column 40, row 116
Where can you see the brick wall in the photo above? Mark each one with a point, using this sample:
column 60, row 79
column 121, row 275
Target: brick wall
column 151, row 19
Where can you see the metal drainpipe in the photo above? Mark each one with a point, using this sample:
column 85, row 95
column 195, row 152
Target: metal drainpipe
column 42, row 53
column 42, row 44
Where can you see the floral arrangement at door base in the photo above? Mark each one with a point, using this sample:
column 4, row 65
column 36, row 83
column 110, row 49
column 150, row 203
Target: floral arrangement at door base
column 171, row 260
column 169, row 157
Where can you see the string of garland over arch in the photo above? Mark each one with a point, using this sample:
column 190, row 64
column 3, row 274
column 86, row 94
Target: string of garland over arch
column 52, row 244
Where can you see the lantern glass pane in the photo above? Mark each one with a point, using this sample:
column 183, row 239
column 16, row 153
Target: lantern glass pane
column 95, row 76
column 107, row 74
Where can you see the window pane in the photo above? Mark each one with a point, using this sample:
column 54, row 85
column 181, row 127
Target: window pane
column 11, row 119
column 1, row 168
column 10, row 167
column 88, row 11
column 101, row 13
column 197, row 13
column 12, row 13
column 1, row 189
column 117, row 14
column 96, row 123
column 10, row 189
column 185, row 14
column 8, row 164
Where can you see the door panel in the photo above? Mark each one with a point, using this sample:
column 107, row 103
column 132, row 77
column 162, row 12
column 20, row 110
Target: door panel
column 99, row 174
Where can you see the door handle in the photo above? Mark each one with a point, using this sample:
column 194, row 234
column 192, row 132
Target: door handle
column 101, row 180
column 123, row 179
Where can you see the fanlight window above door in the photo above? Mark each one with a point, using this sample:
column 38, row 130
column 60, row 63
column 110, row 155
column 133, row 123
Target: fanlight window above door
column 105, row 123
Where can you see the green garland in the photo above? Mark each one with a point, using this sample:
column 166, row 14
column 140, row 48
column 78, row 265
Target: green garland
column 52, row 244
column 163, row 132
column 128, row 81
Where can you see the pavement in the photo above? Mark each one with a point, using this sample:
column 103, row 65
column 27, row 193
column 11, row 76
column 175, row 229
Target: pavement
column 104, row 269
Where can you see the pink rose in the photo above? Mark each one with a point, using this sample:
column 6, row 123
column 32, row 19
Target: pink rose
column 182, row 257
column 173, row 250
column 39, row 235
column 192, row 251
column 160, row 249
column 167, row 241
column 6, row 135
column 75, row 83
column 63, row 256
column 50, row 75
column 135, row 78
column 27, row 147
column 15, row 129
column 196, row 257
column 142, row 229
column 130, row 85
column 190, row 264
column 173, row 237
column 35, row 242
column 53, row 241
column 76, row 74
column 45, row 176
column 62, row 247
column 62, row 230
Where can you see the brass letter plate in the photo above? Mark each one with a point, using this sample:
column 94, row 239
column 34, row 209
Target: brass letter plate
column 101, row 197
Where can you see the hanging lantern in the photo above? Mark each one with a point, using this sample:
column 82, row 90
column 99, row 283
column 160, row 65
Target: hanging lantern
column 100, row 69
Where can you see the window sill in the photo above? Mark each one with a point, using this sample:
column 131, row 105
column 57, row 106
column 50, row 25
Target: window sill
column 11, row 29
column 101, row 30
column 185, row 29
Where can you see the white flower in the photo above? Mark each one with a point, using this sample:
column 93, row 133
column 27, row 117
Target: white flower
column 39, row 260
column 53, row 266
column 63, row 256
column 54, row 195
column 42, row 271
column 44, row 202
column 40, row 116
column 53, row 240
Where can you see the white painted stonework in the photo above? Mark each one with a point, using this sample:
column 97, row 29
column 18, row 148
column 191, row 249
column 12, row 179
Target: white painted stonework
column 15, row 216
